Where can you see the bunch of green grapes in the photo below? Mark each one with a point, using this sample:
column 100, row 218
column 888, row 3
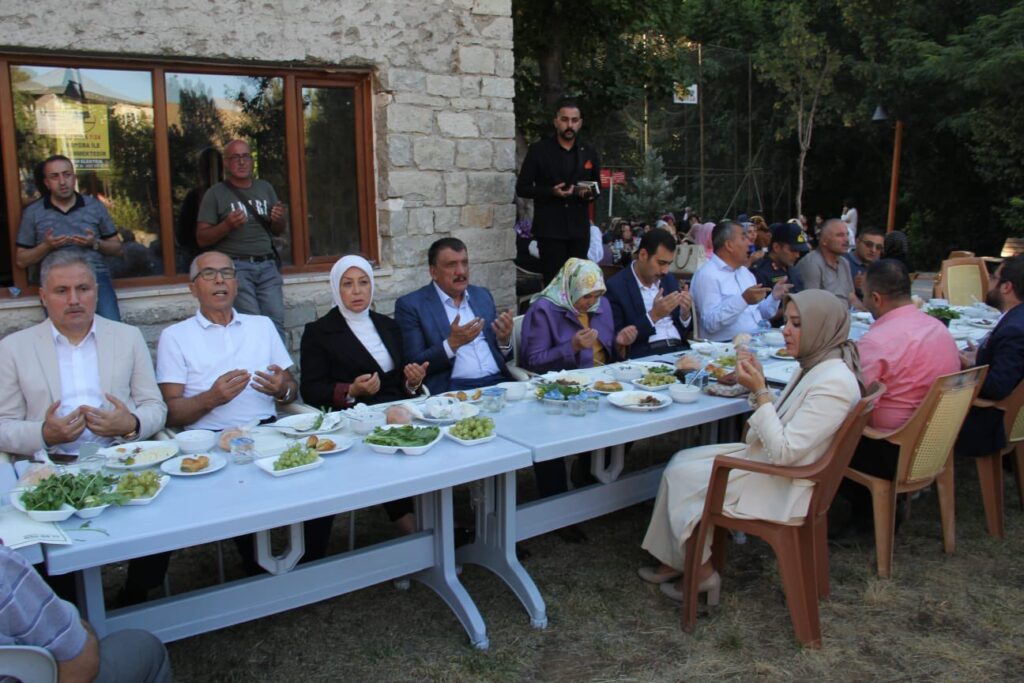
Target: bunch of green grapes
column 295, row 455
column 143, row 485
column 471, row 428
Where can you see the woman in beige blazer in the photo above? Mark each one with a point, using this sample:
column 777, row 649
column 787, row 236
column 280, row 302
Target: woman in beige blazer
column 795, row 430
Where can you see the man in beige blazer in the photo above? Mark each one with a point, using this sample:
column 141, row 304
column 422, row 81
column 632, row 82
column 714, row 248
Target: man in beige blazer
column 75, row 378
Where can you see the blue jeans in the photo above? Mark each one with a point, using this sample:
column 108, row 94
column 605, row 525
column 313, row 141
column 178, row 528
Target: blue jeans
column 106, row 300
column 260, row 291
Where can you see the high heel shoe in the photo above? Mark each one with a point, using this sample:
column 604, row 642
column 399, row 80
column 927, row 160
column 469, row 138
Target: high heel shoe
column 711, row 585
column 652, row 575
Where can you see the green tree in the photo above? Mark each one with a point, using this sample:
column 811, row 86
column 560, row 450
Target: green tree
column 652, row 192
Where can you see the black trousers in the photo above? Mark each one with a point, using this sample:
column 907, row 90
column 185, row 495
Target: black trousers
column 877, row 458
column 550, row 475
column 555, row 252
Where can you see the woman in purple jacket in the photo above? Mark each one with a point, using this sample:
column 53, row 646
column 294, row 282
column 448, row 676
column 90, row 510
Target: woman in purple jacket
column 569, row 324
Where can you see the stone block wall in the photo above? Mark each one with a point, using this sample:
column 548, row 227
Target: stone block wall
column 444, row 124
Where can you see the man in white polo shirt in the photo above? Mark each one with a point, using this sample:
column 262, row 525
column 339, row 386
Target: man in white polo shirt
column 221, row 368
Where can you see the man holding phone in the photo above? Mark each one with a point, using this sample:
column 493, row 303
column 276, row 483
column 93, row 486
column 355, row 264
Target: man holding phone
column 560, row 174
column 727, row 296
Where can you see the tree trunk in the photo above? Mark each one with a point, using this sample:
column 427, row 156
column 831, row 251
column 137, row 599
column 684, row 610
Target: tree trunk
column 800, row 181
column 552, row 87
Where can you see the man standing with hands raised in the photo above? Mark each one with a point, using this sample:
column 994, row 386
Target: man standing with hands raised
column 239, row 217
column 728, row 299
column 453, row 325
column 648, row 297
column 555, row 175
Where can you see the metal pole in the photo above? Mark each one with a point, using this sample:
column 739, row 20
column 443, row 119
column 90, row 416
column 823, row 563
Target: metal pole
column 897, row 147
column 700, row 114
column 611, row 196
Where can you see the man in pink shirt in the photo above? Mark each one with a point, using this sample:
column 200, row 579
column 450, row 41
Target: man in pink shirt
column 906, row 350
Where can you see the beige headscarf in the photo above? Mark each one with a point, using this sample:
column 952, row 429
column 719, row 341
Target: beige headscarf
column 824, row 330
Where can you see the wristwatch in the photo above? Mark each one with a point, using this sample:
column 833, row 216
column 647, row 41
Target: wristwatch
column 287, row 395
column 96, row 244
column 134, row 434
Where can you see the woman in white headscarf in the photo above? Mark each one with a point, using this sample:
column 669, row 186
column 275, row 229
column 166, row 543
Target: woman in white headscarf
column 353, row 354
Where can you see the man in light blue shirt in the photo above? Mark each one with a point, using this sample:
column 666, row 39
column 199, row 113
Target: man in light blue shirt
column 454, row 325
column 726, row 294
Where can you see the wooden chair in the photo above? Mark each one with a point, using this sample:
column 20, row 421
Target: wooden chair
column 960, row 254
column 990, row 467
column 801, row 548
column 926, row 455
column 962, row 281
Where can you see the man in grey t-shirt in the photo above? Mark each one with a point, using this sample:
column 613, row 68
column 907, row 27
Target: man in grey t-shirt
column 825, row 268
column 237, row 217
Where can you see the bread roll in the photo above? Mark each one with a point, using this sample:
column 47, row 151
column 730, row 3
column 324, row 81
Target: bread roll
column 398, row 415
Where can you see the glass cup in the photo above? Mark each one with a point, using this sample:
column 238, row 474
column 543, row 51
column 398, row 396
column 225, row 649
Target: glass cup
column 243, row 450
column 493, row 399
column 592, row 399
column 577, row 406
column 554, row 406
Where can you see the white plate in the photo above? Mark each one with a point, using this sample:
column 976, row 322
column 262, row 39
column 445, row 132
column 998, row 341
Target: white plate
column 614, row 391
column 89, row 513
column 713, row 348
column 173, row 466
column 269, row 442
column 302, row 425
column 468, row 410
column 469, row 395
column 343, row 444
column 983, row 323
column 777, row 354
column 267, row 465
column 408, row 450
column 164, row 479
column 581, row 379
column 151, row 452
column 628, row 400
column 58, row 515
column 467, row 442
column 661, row 387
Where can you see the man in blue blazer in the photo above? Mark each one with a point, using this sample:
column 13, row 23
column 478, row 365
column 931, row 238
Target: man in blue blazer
column 454, row 325
column 1003, row 352
column 646, row 295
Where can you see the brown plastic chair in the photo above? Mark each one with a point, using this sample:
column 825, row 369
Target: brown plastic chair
column 962, row 281
column 960, row 254
column 990, row 467
column 926, row 456
column 802, row 548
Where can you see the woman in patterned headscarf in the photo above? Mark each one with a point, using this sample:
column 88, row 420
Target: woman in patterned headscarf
column 569, row 324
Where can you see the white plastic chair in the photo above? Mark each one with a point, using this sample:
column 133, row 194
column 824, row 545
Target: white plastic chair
column 28, row 663
column 517, row 371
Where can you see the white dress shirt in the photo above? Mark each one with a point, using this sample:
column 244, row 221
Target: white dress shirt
column 474, row 359
column 195, row 352
column 717, row 290
column 79, row 367
column 664, row 328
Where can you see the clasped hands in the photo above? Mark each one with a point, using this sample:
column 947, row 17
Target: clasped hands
column 461, row 335
column 58, row 429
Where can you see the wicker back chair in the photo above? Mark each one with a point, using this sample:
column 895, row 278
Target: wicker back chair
column 962, row 281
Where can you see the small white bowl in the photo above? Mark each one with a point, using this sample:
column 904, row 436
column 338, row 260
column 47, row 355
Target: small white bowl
column 89, row 513
column 627, row 373
column 364, row 424
column 684, row 393
column 514, row 391
column 938, row 302
column 195, row 440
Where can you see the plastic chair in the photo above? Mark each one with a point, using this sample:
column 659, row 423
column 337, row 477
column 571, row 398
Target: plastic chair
column 990, row 467
column 960, row 254
column 802, row 547
column 518, row 372
column 926, row 455
column 28, row 663
column 962, row 281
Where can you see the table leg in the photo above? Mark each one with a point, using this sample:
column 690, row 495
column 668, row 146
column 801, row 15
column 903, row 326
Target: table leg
column 89, row 585
column 437, row 514
column 495, row 545
column 279, row 564
column 607, row 472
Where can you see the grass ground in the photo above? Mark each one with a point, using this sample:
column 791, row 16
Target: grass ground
column 940, row 618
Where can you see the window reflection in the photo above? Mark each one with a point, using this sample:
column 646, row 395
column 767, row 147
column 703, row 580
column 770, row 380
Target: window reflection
column 102, row 119
column 204, row 113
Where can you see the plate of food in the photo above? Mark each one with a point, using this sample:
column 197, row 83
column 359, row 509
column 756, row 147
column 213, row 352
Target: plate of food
column 471, row 431
column 983, row 323
column 726, row 390
column 46, row 513
column 603, row 387
column 406, row 438
column 639, row 400
column 709, row 348
column 782, row 354
column 61, row 495
column 141, row 488
column 656, row 380
column 443, row 417
column 568, row 379
column 296, row 458
column 563, row 390
column 468, row 396
column 329, row 446
column 305, row 424
column 194, row 465
column 138, row 455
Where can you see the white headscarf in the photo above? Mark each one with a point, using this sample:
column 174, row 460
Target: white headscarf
column 360, row 323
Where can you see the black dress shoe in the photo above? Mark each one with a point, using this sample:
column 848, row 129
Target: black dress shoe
column 463, row 536
column 522, row 553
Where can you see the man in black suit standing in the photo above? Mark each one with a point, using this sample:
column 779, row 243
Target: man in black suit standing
column 554, row 175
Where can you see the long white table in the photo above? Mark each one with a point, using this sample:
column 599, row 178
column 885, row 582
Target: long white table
column 242, row 499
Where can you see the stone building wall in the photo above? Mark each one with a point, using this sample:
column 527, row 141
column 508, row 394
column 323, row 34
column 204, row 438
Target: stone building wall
column 444, row 125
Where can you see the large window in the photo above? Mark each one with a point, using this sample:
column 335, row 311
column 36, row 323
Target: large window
column 146, row 141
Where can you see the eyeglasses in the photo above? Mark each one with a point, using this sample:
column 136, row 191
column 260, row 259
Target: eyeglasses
column 235, row 158
column 212, row 273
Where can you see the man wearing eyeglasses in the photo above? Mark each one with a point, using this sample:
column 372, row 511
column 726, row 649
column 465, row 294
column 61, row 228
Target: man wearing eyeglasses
column 221, row 368
column 868, row 249
column 239, row 217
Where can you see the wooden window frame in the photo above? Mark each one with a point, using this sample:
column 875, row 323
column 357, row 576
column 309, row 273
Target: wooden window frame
column 294, row 80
